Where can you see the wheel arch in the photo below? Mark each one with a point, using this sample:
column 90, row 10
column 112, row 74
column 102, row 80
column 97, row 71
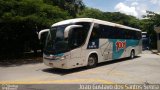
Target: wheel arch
column 92, row 53
column 132, row 49
column 132, row 55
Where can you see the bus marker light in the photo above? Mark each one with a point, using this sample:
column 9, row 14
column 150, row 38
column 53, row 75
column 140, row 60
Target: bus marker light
column 51, row 64
column 63, row 64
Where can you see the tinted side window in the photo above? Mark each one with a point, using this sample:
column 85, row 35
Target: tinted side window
column 103, row 32
column 95, row 32
column 94, row 37
column 107, row 32
column 77, row 36
column 111, row 32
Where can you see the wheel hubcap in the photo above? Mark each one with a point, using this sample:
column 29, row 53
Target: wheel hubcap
column 132, row 54
column 91, row 61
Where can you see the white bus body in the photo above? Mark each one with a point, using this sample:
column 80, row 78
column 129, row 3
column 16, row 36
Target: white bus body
column 86, row 42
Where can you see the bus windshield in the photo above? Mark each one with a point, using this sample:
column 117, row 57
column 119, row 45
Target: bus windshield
column 56, row 43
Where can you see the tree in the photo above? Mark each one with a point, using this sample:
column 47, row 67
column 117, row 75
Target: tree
column 153, row 17
column 20, row 20
column 115, row 17
column 91, row 13
column 72, row 6
column 148, row 23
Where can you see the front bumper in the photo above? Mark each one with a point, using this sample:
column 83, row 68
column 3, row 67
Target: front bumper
column 55, row 63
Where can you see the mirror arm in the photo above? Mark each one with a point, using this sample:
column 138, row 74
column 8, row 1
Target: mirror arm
column 66, row 31
column 41, row 32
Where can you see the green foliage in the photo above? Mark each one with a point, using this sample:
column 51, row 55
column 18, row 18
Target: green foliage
column 20, row 20
column 91, row 13
column 71, row 6
column 153, row 17
column 110, row 16
column 148, row 24
column 34, row 10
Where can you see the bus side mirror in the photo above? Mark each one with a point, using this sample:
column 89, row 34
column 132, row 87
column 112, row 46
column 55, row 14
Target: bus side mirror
column 68, row 28
column 41, row 32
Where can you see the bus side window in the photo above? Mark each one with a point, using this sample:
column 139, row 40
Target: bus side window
column 95, row 32
column 76, row 37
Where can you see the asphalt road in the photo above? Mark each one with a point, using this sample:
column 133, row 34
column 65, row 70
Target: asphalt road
column 143, row 69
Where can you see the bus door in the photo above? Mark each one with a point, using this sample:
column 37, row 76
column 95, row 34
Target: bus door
column 76, row 41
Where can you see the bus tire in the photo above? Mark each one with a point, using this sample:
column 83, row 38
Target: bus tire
column 92, row 61
column 132, row 54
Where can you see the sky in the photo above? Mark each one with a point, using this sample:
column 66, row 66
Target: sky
column 135, row 8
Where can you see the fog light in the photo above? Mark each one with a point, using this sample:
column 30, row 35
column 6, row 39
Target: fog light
column 63, row 57
column 63, row 65
column 51, row 64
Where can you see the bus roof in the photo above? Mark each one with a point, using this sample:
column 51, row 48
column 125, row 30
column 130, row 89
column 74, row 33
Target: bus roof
column 95, row 21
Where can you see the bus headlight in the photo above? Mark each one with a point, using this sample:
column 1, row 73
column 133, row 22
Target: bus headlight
column 63, row 57
column 53, row 57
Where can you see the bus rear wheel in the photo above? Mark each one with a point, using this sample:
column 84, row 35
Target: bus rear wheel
column 132, row 54
column 92, row 61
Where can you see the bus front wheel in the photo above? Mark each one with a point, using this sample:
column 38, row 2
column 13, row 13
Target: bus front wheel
column 132, row 54
column 92, row 61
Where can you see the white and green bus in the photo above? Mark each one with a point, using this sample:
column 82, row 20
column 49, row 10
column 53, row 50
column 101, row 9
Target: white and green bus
column 85, row 42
